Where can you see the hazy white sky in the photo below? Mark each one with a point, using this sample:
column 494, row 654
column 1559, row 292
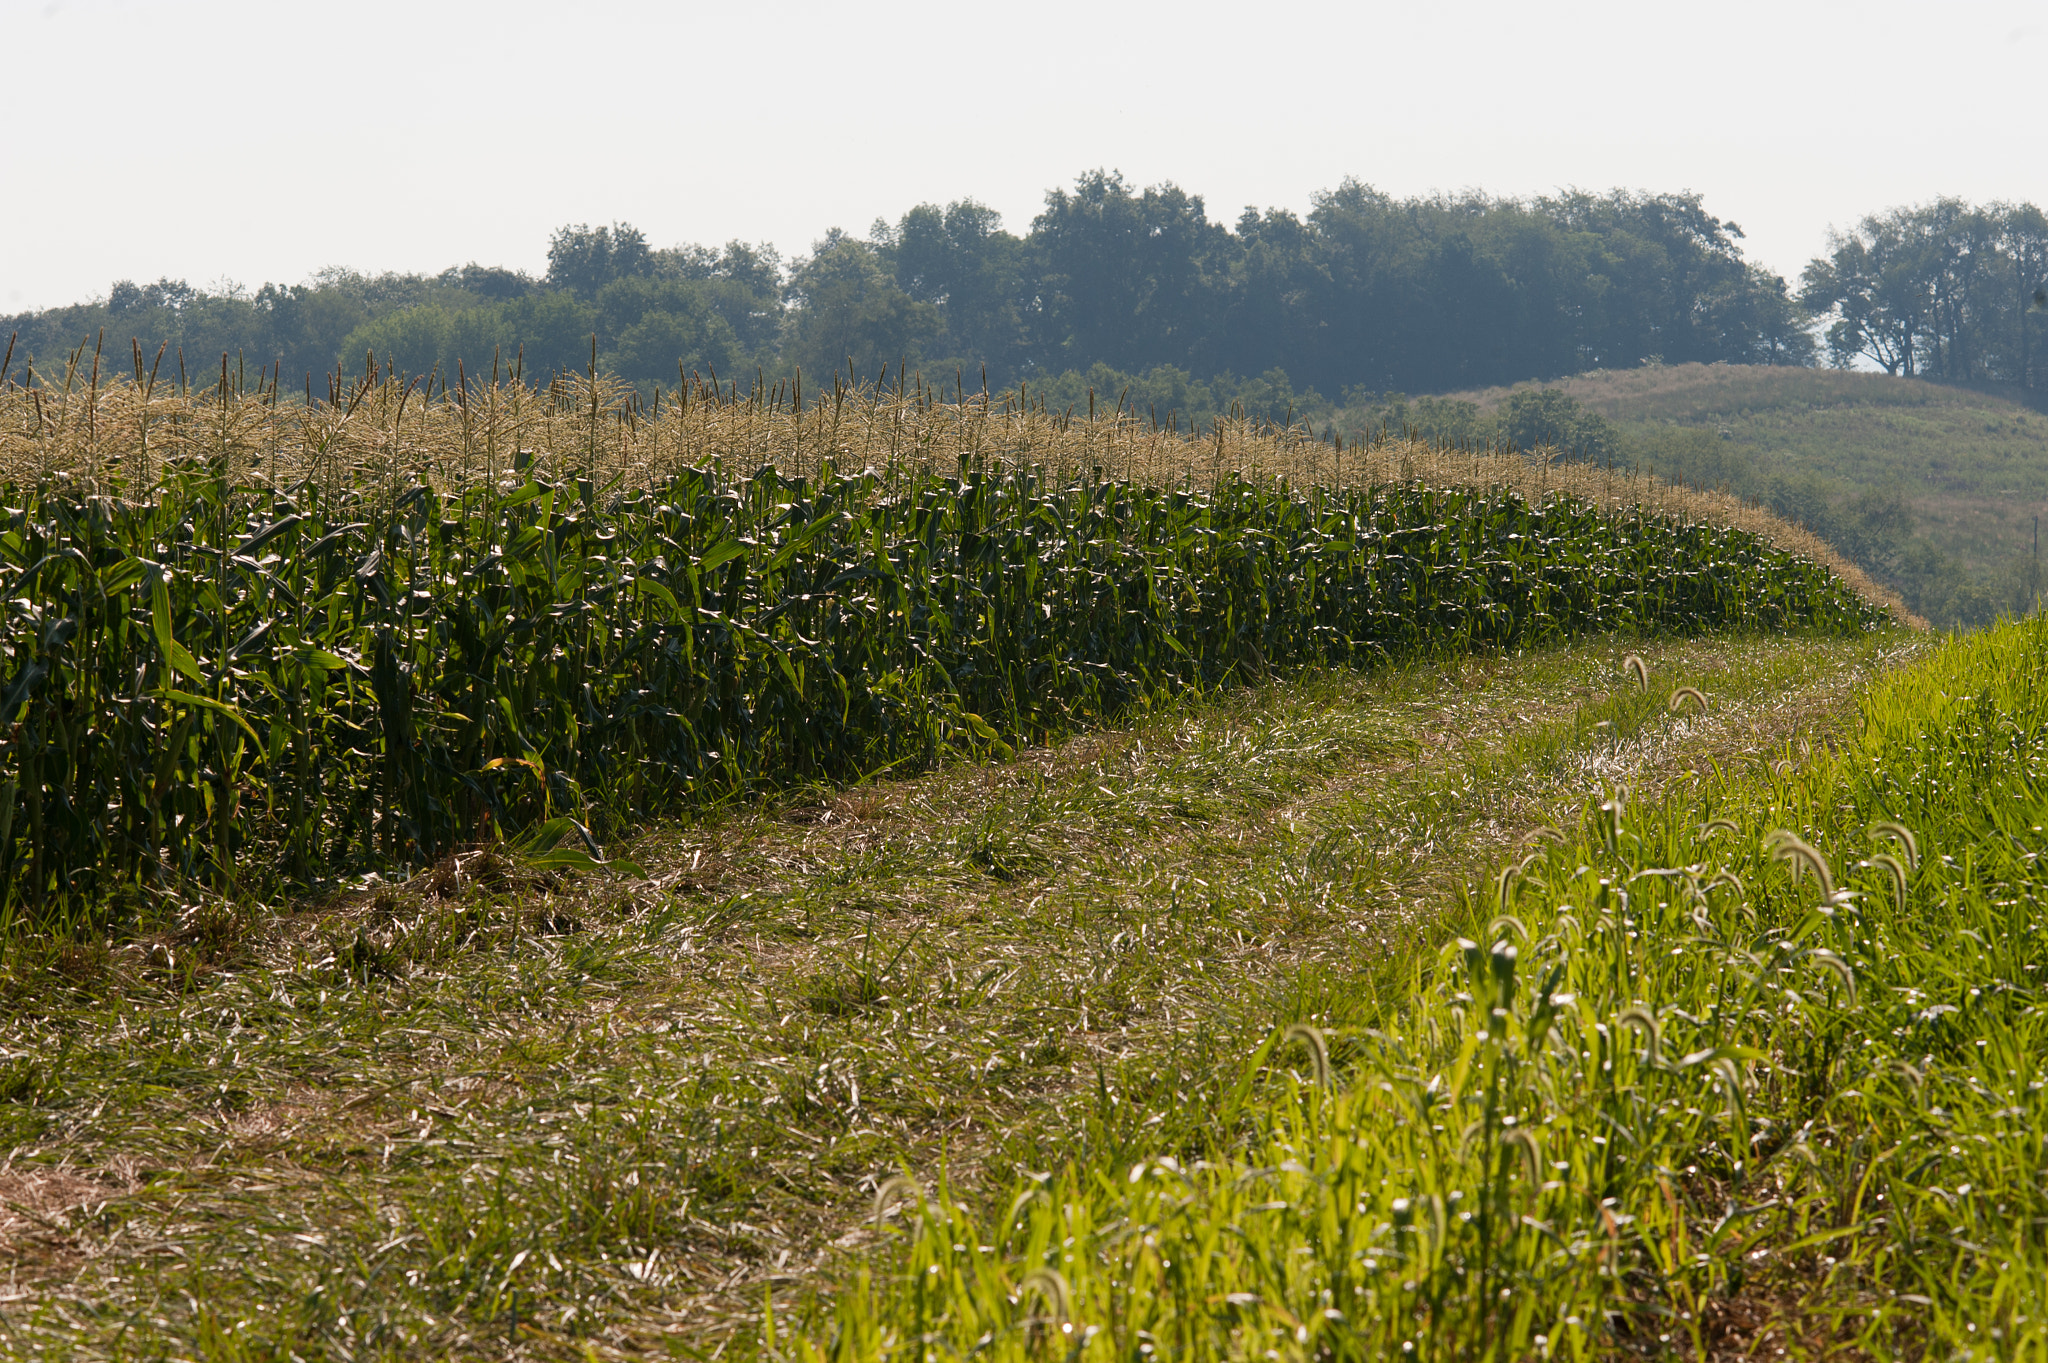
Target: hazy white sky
column 213, row 140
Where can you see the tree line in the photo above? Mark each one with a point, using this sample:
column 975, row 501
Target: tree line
column 1140, row 294
column 1366, row 291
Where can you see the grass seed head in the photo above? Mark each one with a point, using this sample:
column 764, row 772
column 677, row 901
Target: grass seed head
column 893, row 1190
column 1837, row 967
column 1786, row 846
column 1318, row 1048
column 1903, row 836
column 1894, row 872
column 1643, row 1020
column 1688, row 693
column 1050, row 1286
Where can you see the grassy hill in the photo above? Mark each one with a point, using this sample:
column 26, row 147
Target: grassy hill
column 1844, row 454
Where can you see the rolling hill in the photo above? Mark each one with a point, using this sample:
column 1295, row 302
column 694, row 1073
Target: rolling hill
column 1845, row 453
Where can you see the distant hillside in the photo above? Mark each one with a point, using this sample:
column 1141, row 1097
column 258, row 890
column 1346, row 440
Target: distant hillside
column 1933, row 489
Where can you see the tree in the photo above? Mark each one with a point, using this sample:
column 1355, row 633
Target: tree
column 1533, row 419
column 583, row 259
column 660, row 345
column 1272, row 286
column 1942, row 289
column 1667, row 265
column 2024, row 242
column 1365, row 291
column 959, row 260
column 1126, row 277
column 1873, row 286
column 843, row 306
column 493, row 282
column 1780, row 326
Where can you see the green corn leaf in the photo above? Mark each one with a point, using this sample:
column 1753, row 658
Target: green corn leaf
column 543, row 847
column 647, row 586
column 169, row 649
column 523, row 544
column 309, row 656
column 722, row 552
column 269, row 533
column 218, row 707
column 119, row 577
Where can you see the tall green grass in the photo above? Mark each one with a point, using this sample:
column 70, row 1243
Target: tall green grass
column 216, row 684
column 1768, row 1053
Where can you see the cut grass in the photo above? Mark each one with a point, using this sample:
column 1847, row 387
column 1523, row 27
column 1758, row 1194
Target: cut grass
column 480, row 1115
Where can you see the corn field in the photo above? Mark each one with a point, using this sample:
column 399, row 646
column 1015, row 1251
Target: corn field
column 255, row 642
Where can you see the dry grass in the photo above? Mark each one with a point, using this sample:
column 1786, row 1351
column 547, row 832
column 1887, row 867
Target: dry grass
column 1689, row 392
column 121, row 434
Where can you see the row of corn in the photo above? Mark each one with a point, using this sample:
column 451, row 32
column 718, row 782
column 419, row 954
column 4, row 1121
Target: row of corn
column 215, row 682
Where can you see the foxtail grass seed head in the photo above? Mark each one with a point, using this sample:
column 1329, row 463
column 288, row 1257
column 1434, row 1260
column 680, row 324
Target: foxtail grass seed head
column 1050, row 1286
column 1903, row 836
column 1836, row 967
column 1508, row 923
column 1895, row 874
column 898, row 1188
column 1317, row 1046
column 1786, row 846
column 1645, row 1022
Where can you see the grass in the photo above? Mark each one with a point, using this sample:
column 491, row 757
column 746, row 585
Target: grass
column 1750, row 1064
column 489, row 1113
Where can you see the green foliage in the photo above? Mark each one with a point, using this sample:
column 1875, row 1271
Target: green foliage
column 1174, row 399
column 660, row 328
column 1929, row 488
column 583, row 259
column 959, row 261
column 1447, row 421
column 220, row 684
column 849, row 310
column 1777, row 1042
column 1364, row 291
column 1549, row 419
column 1529, row 419
column 1126, row 276
column 1946, row 290
column 649, row 329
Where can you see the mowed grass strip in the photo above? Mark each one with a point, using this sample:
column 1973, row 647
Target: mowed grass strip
column 487, row 1113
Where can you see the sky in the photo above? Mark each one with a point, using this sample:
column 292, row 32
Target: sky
column 244, row 142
